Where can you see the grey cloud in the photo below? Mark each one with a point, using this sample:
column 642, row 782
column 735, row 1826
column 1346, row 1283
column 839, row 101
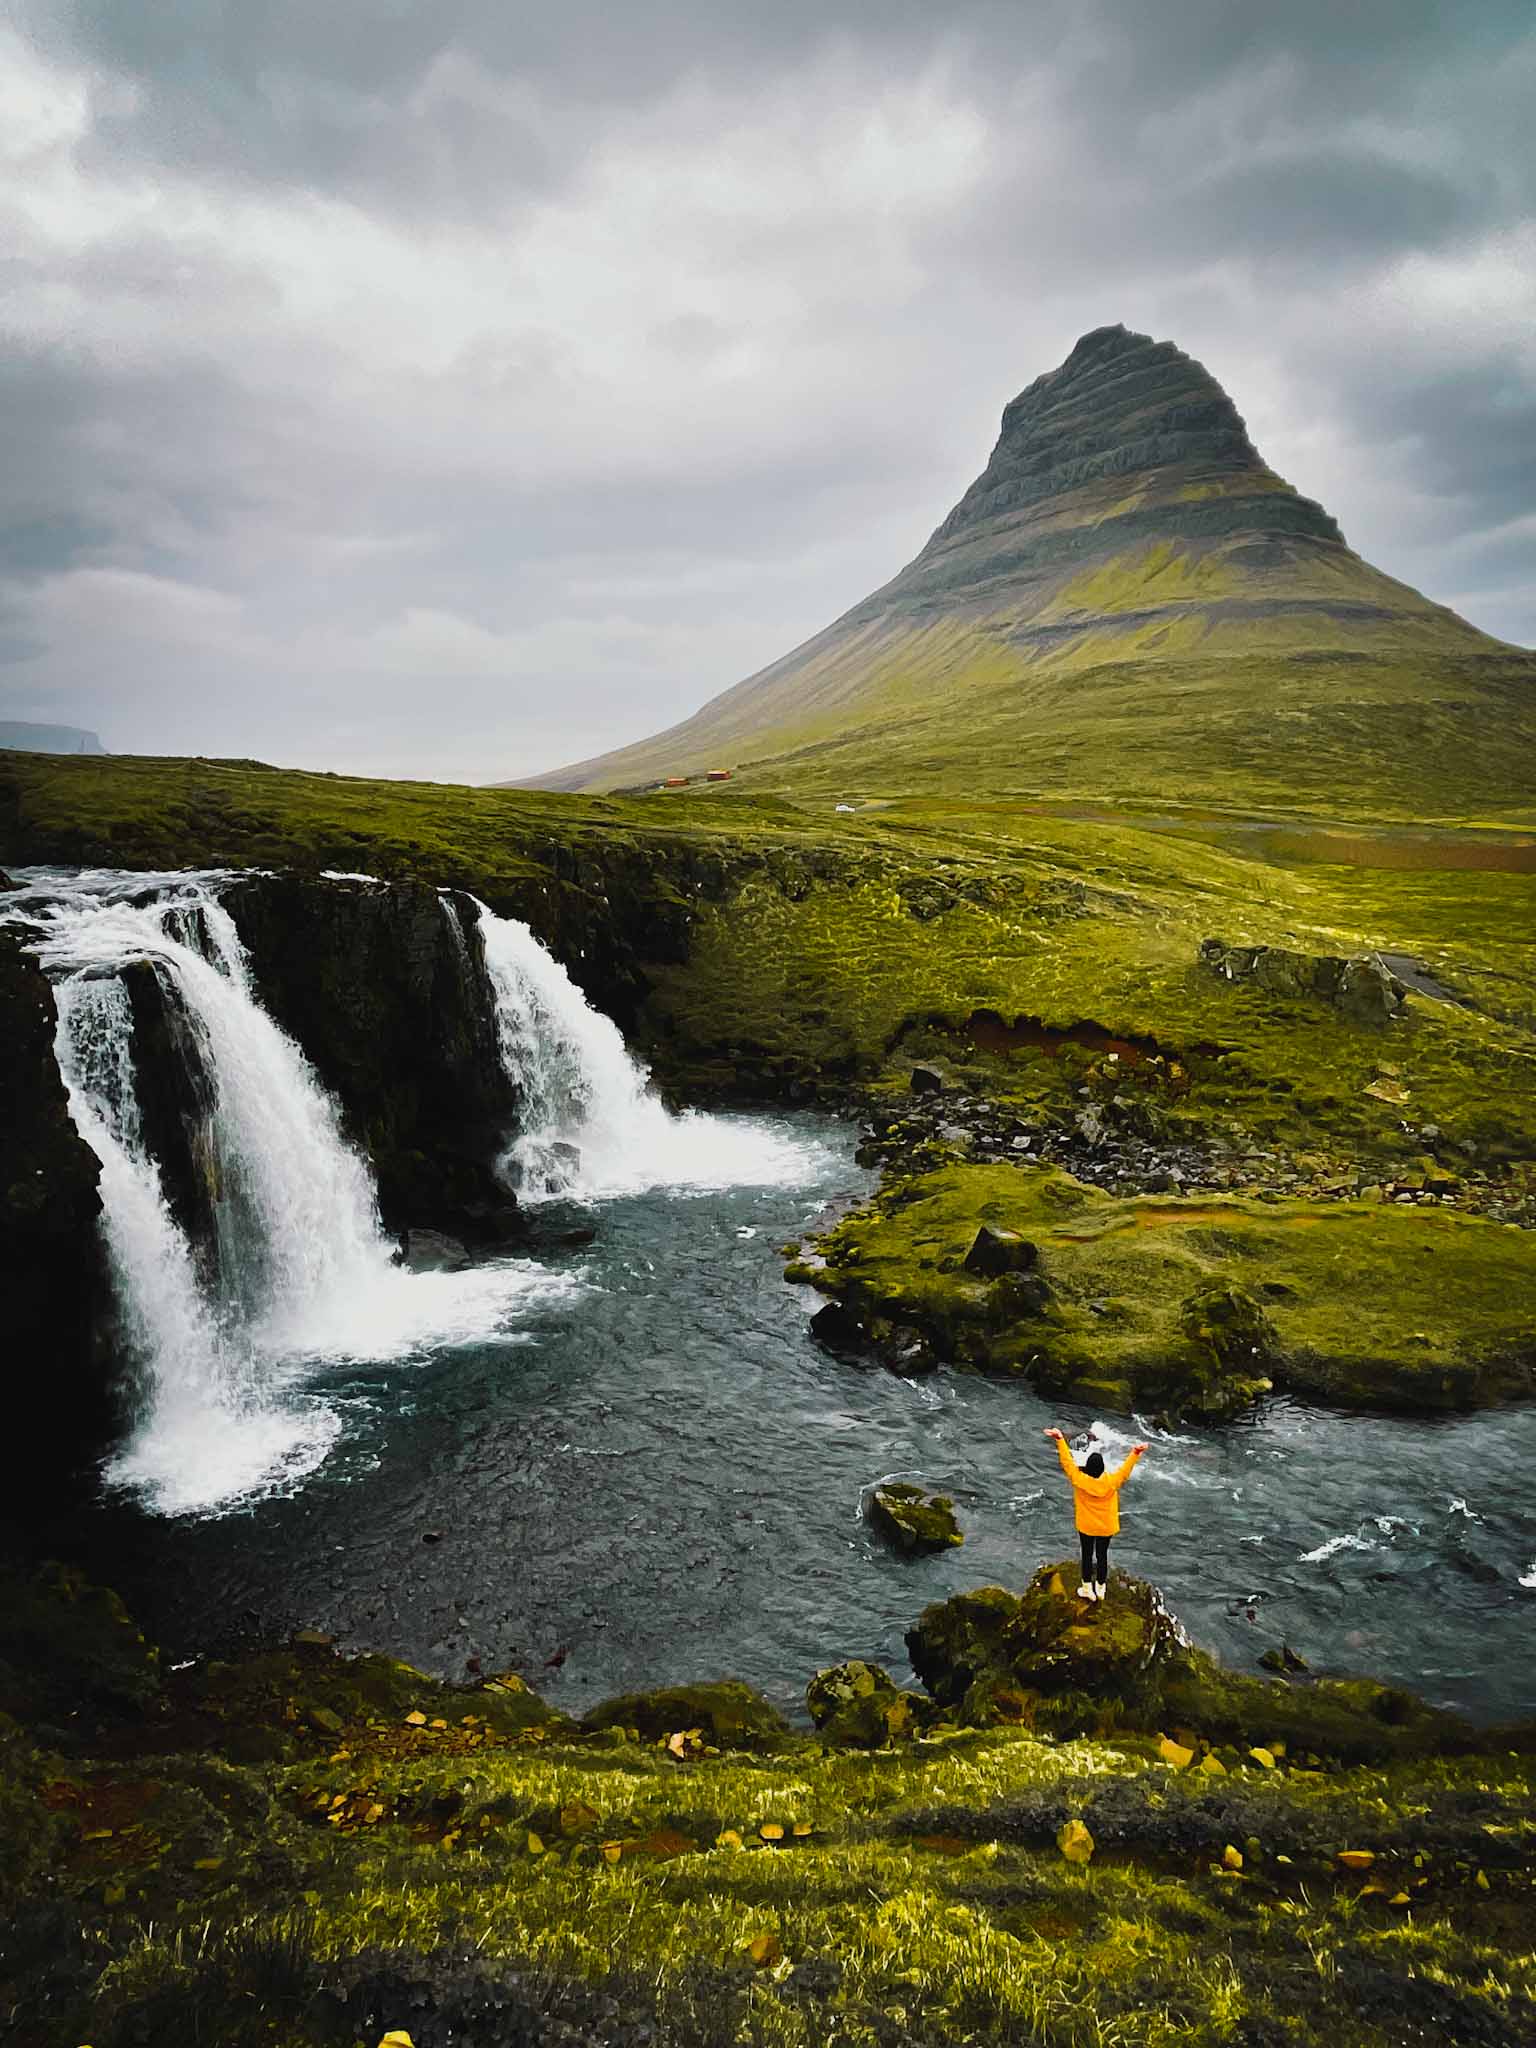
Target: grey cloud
column 1329, row 205
column 1474, row 431
column 357, row 98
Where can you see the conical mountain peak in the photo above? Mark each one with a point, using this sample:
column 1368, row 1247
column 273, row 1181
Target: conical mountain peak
column 1126, row 591
column 1124, row 409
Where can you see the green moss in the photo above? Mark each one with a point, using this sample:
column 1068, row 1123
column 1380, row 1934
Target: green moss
column 1185, row 1301
column 456, row 1882
column 728, row 1714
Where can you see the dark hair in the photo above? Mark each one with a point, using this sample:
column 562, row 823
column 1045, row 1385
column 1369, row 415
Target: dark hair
column 1094, row 1466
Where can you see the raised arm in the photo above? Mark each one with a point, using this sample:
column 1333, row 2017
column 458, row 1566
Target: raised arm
column 1132, row 1459
column 1068, row 1465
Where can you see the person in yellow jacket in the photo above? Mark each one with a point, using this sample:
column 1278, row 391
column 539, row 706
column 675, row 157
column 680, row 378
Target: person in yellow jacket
column 1096, row 1497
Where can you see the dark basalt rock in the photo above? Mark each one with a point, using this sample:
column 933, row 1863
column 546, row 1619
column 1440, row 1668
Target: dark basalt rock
column 839, row 1329
column 398, row 1018
column 53, row 1270
column 995, row 1252
column 173, row 1080
column 1121, row 403
column 1362, row 987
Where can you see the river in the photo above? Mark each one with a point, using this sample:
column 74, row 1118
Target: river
column 627, row 1463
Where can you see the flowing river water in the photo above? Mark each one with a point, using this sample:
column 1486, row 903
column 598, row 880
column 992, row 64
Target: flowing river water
column 626, row 1463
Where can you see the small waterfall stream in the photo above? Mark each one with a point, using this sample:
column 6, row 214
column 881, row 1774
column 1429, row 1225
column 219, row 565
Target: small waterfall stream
column 591, row 1128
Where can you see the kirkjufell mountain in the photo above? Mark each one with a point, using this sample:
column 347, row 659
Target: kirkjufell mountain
column 1127, row 602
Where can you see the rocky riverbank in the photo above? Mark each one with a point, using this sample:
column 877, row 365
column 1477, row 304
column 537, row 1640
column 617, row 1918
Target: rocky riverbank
column 1082, row 1822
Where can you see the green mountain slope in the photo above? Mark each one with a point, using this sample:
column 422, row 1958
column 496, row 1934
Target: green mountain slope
column 1128, row 602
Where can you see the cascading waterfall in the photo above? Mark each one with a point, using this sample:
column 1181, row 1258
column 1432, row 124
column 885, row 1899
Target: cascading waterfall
column 590, row 1126
column 304, row 1270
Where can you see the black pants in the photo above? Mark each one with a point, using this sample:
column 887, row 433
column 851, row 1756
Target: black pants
column 1095, row 1558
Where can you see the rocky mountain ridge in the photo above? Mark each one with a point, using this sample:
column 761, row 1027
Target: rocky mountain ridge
column 1128, row 600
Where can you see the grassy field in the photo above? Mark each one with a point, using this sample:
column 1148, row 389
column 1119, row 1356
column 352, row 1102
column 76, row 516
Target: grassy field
column 311, row 1851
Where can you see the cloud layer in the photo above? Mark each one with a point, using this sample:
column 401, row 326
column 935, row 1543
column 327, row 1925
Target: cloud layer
column 454, row 392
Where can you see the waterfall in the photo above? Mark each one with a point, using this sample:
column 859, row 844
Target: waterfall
column 590, row 1127
column 303, row 1272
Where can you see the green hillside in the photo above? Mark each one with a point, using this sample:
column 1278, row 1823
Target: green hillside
column 1129, row 603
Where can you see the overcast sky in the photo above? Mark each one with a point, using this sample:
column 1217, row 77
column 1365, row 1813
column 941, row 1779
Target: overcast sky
column 454, row 388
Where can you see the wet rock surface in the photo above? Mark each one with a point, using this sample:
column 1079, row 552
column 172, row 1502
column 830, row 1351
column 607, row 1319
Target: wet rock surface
column 175, row 1089
column 393, row 1007
column 914, row 1521
column 53, row 1277
column 431, row 1251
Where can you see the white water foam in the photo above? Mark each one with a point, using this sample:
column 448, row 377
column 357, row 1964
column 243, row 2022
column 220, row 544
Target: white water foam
column 1528, row 1577
column 1332, row 1547
column 304, row 1273
column 592, row 1129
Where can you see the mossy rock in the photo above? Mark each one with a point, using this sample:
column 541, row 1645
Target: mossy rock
column 1069, row 1667
column 858, row 1706
column 71, row 1652
column 729, row 1713
column 1043, row 1643
column 916, row 1522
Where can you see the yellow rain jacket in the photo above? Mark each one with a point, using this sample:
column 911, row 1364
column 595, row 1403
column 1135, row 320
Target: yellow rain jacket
column 1097, row 1500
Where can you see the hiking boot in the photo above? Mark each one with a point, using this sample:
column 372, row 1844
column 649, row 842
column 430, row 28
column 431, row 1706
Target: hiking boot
column 1085, row 1591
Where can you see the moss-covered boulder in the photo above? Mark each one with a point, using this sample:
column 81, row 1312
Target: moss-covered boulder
column 729, row 1713
column 271, row 1705
column 858, row 1706
column 1064, row 1666
column 1225, row 1325
column 1363, row 987
column 1043, row 1656
column 914, row 1521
